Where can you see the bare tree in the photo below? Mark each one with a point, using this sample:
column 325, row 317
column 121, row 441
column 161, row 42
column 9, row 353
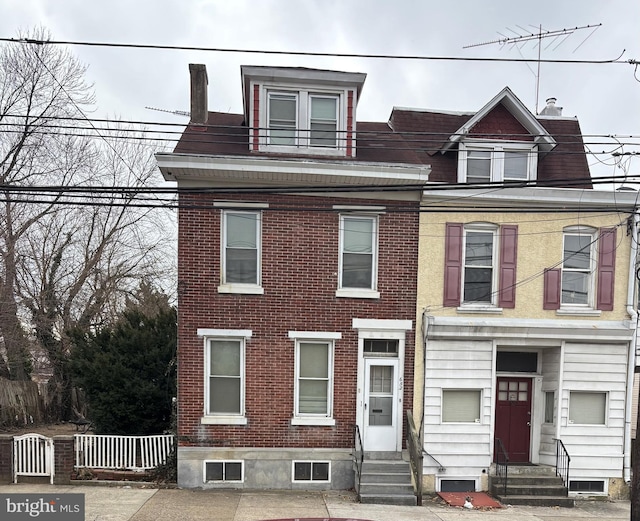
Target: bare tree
column 67, row 259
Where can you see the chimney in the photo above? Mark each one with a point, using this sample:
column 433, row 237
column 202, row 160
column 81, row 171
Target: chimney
column 199, row 84
column 551, row 109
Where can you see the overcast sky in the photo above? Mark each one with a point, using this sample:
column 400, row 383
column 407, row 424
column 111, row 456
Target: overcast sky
column 604, row 97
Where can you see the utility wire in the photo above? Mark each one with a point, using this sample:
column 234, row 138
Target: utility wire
column 34, row 41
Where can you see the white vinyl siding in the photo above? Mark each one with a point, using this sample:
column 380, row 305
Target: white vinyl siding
column 460, row 365
column 596, row 450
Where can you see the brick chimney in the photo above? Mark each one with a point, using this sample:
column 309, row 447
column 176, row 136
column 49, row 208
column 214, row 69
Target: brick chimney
column 551, row 109
column 199, row 84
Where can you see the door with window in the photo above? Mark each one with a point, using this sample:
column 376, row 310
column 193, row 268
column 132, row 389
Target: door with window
column 382, row 429
column 513, row 417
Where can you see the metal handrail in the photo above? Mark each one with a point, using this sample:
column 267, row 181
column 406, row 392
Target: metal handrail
column 358, row 454
column 415, row 456
column 562, row 461
column 502, row 463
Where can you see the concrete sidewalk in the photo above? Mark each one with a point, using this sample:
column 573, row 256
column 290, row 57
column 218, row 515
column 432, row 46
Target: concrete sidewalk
column 124, row 503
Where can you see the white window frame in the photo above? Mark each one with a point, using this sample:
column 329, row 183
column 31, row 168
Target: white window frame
column 591, row 234
column 311, row 480
column 372, row 291
column 304, row 96
column 604, row 394
column 549, row 408
column 223, row 462
column 318, row 337
column 493, row 297
column 237, row 287
column 210, row 336
column 498, row 149
column 478, row 392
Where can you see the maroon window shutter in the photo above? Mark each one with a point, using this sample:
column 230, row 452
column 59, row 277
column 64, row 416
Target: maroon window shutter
column 507, row 271
column 452, row 264
column 606, row 268
column 552, row 288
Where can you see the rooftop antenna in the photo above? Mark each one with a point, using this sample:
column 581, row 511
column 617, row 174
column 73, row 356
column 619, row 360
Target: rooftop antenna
column 523, row 36
column 175, row 112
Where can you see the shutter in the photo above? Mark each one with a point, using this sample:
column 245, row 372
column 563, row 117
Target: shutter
column 452, row 264
column 507, row 270
column 606, row 268
column 551, row 289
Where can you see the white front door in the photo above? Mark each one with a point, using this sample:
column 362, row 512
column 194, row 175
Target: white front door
column 382, row 427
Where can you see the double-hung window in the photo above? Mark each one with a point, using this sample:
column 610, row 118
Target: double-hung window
column 305, row 119
column 224, row 376
column 358, row 254
column 478, row 284
column 577, row 269
column 241, row 239
column 313, row 393
column 496, row 162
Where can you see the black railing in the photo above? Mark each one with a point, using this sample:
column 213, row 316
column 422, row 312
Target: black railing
column 415, row 456
column 502, row 464
column 358, row 455
column 562, row 462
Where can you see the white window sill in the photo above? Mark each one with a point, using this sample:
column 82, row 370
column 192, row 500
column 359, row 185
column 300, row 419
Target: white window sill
column 247, row 289
column 585, row 312
column 322, row 422
column 302, row 149
column 357, row 293
column 474, row 308
column 223, row 420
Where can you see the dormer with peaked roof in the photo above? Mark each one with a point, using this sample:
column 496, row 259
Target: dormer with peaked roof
column 295, row 110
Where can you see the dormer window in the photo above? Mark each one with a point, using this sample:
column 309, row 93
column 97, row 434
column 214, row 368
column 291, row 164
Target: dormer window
column 489, row 162
column 304, row 119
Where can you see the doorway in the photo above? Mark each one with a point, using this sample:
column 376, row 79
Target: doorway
column 381, row 404
column 513, row 416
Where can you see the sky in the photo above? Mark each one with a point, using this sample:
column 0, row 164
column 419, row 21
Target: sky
column 604, row 97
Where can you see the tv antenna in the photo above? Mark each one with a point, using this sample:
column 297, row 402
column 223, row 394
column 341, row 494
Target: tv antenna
column 174, row 112
column 523, row 36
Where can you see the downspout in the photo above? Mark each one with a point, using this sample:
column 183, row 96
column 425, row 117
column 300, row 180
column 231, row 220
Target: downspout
column 633, row 314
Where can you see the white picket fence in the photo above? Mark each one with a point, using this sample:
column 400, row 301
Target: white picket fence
column 32, row 456
column 138, row 453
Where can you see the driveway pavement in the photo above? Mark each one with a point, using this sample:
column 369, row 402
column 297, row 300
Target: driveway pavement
column 125, row 503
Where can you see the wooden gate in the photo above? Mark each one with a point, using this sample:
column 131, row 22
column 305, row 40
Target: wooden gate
column 33, row 456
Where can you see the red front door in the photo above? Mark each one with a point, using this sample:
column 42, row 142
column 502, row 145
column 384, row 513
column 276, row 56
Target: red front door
column 513, row 416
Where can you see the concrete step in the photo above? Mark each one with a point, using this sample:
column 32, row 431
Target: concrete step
column 527, row 470
column 389, row 499
column 529, row 480
column 540, row 501
column 530, row 490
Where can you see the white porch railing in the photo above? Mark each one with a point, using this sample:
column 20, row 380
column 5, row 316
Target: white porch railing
column 139, row 453
column 33, row 456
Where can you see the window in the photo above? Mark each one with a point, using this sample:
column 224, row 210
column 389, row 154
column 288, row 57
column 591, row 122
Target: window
column 313, row 393
column 303, row 119
column 587, row 408
column 223, row 471
column 577, row 267
column 379, row 347
column 358, row 252
column 225, row 377
column 586, row 486
column 311, row 471
column 480, row 266
column 549, row 405
column 283, row 119
column 479, row 258
column 496, row 162
column 585, row 282
column 461, row 406
column 241, row 248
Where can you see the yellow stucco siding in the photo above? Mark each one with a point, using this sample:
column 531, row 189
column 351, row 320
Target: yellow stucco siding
column 539, row 247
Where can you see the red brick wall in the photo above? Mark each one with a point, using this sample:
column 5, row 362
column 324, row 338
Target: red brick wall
column 6, row 458
column 300, row 278
column 500, row 124
column 64, row 459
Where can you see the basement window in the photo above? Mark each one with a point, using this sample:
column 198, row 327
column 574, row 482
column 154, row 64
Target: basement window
column 586, row 486
column 316, row 471
column 223, row 471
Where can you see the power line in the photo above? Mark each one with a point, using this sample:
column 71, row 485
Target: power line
column 33, row 41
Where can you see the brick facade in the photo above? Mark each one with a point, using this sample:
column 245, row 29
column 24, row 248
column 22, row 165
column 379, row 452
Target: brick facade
column 6, row 458
column 64, row 459
column 300, row 248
